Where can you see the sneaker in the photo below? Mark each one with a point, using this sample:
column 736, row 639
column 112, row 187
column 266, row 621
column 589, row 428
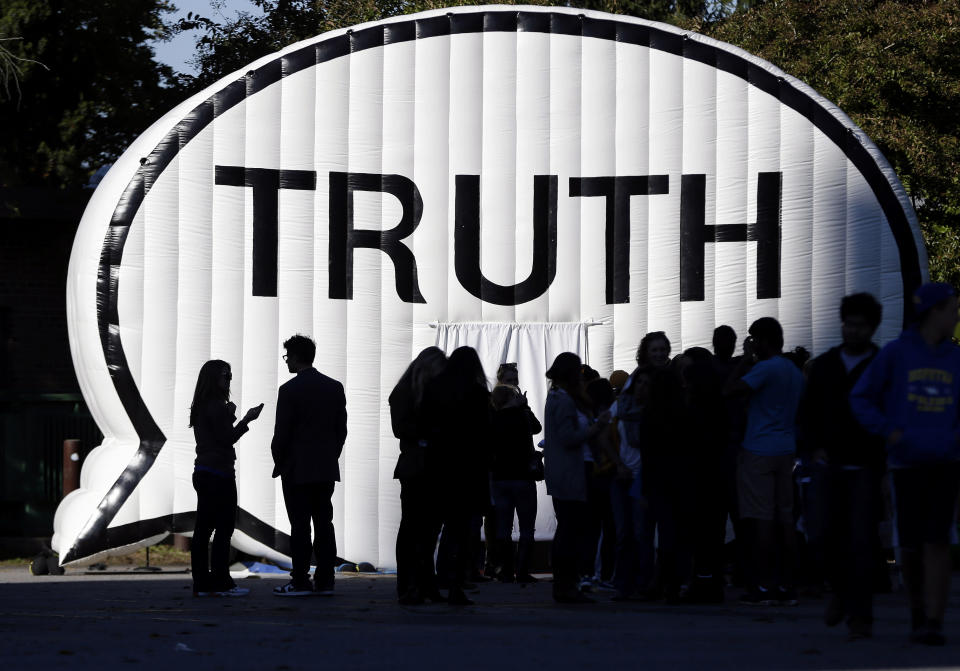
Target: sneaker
column 757, row 596
column 787, row 596
column 323, row 590
column 291, row 589
column 233, row 591
column 586, row 585
column 198, row 592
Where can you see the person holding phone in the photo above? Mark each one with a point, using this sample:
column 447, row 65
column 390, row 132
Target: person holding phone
column 212, row 418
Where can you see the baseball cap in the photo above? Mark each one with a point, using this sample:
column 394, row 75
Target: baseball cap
column 930, row 295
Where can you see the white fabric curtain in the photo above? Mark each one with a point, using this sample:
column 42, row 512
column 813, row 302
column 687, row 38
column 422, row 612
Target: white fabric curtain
column 533, row 348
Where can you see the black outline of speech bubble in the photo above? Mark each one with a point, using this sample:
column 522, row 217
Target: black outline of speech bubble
column 96, row 536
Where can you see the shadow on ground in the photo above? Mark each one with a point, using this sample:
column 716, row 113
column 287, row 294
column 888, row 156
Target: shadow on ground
column 81, row 621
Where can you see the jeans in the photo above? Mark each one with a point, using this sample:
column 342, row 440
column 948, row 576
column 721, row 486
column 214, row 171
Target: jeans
column 628, row 518
column 598, row 553
column 708, row 524
column 306, row 502
column 519, row 495
column 216, row 512
column 510, row 495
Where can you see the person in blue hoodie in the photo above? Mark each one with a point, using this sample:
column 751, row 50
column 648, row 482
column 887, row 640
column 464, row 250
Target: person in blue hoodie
column 909, row 395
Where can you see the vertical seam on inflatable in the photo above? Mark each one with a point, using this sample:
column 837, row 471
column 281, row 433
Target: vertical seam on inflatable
column 516, row 163
column 716, row 193
column 551, row 18
column 580, row 246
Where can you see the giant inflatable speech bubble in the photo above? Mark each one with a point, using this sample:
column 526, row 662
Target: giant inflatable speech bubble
column 524, row 180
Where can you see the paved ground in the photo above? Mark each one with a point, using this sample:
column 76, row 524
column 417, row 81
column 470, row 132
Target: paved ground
column 80, row 621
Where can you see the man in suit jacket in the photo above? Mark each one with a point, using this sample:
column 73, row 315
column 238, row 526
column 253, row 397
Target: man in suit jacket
column 310, row 431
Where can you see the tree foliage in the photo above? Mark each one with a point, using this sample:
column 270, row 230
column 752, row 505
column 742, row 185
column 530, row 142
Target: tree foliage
column 226, row 46
column 894, row 68
column 79, row 83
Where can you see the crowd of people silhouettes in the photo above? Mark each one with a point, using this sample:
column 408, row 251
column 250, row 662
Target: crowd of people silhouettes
column 650, row 472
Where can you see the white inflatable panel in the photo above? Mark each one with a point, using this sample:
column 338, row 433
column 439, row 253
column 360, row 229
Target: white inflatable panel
column 524, row 180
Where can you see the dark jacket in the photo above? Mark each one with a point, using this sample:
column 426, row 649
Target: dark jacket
column 511, row 435
column 458, row 450
column 405, row 420
column 661, row 444
column 826, row 419
column 704, row 425
column 215, row 435
column 311, row 428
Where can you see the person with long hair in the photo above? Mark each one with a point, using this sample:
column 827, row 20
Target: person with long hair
column 456, row 410
column 654, row 350
column 212, row 418
column 417, row 536
column 647, row 412
column 567, row 434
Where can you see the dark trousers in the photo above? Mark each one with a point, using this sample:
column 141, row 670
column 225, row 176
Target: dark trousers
column 216, row 514
column 646, row 535
column 416, row 538
column 852, row 537
column 627, row 516
column 709, row 525
column 519, row 496
column 305, row 502
column 814, row 498
column 731, row 507
column 490, row 526
column 454, row 558
column 569, row 537
column 600, row 546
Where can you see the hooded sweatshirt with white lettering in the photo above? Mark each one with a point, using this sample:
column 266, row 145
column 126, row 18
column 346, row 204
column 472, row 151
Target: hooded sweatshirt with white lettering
column 914, row 388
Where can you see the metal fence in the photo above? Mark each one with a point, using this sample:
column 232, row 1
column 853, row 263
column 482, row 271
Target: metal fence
column 32, row 431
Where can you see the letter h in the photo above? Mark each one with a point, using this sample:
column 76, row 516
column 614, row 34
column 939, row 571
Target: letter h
column 695, row 234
